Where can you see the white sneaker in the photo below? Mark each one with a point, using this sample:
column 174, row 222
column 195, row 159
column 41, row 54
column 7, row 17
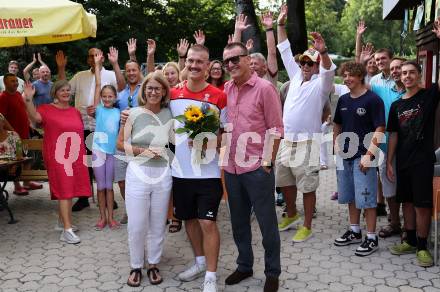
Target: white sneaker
column 69, row 237
column 60, row 227
column 209, row 285
column 192, row 273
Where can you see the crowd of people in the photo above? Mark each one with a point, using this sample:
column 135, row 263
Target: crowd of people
column 121, row 127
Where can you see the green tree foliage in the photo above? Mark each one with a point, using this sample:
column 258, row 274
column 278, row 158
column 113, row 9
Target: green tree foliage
column 382, row 34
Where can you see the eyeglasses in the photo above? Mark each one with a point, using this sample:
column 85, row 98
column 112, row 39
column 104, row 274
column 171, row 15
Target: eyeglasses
column 235, row 60
column 130, row 101
column 155, row 89
column 309, row 63
column 216, row 69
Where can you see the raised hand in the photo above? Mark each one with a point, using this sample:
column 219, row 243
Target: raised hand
column 34, row 59
column 230, row 38
column 318, row 42
column 113, row 55
column 367, row 53
column 29, row 90
column 151, row 47
column 199, row 36
column 98, row 58
column 131, row 46
column 61, row 59
column 361, row 28
column 240, row 22
column 39, row 58
column 249, row 44
column 282, row 17
column 182, row 47
column 267, row 20
column 436, row 29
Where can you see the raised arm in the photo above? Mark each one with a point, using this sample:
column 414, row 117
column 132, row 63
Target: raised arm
column 113, row 58
column 436, row 30
column 28, row 95
column 28, row 68
column 151, row 50
column 182, row 49
column 267, row 22
column 359, row 32
column 98, row 58
column 61, row 61
column 281, row 24
column 240, row 26
column 367, row 52
column 131, row 48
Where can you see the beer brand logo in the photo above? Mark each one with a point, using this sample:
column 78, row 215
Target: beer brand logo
column 14, row 23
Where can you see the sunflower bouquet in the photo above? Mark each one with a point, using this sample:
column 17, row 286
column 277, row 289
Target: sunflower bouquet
column 198, row 120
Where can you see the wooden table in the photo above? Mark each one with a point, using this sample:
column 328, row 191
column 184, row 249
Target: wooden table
column 7, row 174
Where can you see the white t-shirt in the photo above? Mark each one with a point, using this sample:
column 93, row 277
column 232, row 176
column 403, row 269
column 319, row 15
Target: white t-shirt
column 341, row 89
column 305, row 100
column 83, row 88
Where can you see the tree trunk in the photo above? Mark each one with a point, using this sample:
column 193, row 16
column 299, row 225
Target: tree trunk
column 253, row 32
column 296, row 26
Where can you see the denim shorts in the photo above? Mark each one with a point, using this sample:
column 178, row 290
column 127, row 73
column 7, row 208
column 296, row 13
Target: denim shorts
column 356, row 186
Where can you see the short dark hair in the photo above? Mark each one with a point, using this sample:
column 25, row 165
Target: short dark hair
column 133, row 61
column 235, row 45
column 413, row 63
column 8, row 75
column 199, row 48
column 387, row 51
column 354, row 69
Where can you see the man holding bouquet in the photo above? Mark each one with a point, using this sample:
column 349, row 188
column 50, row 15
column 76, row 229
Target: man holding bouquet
column 197, row 188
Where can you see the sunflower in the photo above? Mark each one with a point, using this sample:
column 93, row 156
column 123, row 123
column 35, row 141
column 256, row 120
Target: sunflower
column 193, row 113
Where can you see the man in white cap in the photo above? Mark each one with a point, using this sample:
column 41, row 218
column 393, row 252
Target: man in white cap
column 297, row 163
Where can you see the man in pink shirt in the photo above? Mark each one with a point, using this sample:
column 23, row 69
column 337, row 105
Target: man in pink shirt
column 255, row 127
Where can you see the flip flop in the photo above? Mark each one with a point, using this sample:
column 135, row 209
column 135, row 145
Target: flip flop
column 137, row 278
column 154, row 276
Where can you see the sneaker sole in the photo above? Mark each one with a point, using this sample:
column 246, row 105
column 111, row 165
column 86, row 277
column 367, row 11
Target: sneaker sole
column 425, row 265
column 302, row 240
column 290, row 226
column 58, row 228
column 69, row 242
column 347, row 243
column 192, row 278
column 400, row 253
column 365, row 254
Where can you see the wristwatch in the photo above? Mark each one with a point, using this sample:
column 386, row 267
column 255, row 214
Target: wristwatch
column 268, row 164
column 324, row 52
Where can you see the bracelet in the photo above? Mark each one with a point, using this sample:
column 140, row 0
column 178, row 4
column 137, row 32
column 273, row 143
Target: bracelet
column 269, row 29
column 324, row 52
column 281, row 24
column 182, row 57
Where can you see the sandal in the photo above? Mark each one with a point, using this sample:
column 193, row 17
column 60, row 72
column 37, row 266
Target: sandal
column 114, row 225
column 33, row 186
column 136, row 282
column 175, row 226
column 154, row 276
column 21, row 191
column 100, row 225
column 389, row 230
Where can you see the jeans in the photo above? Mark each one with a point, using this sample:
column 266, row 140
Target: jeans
column 254, row 189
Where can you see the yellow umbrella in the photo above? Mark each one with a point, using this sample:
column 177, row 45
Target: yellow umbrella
column 43, row 22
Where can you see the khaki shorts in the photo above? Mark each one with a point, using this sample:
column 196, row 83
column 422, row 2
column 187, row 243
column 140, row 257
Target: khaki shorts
column 297, row 165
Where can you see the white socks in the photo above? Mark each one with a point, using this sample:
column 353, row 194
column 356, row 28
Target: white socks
column 201, row 261
column 355, row 228
column 371, row 235
column 211, row 276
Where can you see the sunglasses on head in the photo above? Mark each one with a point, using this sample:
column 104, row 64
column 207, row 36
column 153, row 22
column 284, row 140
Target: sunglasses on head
column 235, row 60
column 309, row 63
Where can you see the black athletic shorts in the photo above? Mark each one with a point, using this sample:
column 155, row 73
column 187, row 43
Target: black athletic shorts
column 414, row 185
column 196, row 198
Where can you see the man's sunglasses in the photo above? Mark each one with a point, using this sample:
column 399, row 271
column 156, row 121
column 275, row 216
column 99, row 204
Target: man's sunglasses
column 309, row 63
column 130, row 101
column 235, row 60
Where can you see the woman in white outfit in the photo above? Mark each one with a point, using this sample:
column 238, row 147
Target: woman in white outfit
column 144, row 138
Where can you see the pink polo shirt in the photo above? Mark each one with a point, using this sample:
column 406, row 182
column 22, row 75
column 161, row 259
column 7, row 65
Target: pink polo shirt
column 254, row 113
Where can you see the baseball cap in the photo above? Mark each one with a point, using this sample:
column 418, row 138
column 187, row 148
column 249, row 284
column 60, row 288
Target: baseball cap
column 311, row 54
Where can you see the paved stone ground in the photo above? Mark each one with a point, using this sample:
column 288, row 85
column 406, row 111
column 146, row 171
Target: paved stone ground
column 33, row 259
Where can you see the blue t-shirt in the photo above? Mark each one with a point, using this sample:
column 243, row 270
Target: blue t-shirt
column 388, row 95
column 359, row 116
column 42, row 92
column 127, row 100
column 107, row 128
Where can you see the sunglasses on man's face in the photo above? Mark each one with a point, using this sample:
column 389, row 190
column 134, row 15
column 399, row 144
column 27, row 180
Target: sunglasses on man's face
column 235, row 60
column 308, row 63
